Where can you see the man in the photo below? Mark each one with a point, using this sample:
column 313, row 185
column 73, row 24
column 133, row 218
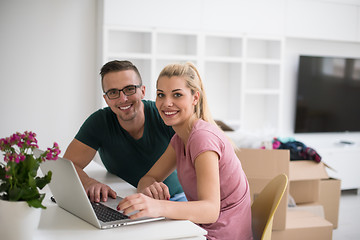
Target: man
column 129, row 134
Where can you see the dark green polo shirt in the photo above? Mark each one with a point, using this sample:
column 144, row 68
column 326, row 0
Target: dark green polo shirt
column 121, row 154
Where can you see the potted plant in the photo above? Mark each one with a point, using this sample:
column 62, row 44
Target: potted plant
column 19, row 180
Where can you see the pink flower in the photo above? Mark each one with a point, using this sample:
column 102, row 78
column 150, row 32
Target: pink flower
column 16, row 158
column 49, row 155
column 15, row 138
column 53, row 153
column 4, row 142
column 18, row 148
column 20, row 144
column 22, row 157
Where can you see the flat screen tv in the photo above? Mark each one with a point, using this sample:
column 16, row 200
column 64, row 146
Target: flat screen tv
column 328, row 95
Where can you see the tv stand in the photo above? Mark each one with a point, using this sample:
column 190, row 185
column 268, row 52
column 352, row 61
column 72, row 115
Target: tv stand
column 341, row 151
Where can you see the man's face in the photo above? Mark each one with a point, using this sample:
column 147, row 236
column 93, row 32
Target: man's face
column 125, row 107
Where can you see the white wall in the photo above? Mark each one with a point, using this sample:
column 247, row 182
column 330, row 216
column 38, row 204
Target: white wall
column 239, row 16
column 48, row 68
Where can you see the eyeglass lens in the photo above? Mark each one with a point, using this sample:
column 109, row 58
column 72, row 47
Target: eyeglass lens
column 115, row 93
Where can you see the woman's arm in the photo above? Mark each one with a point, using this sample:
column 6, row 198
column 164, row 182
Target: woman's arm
column 205, row 210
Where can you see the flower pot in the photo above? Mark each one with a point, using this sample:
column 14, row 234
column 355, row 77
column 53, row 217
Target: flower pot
column 18, row 220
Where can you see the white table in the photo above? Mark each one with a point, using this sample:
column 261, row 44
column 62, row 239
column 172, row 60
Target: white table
column 57, row 223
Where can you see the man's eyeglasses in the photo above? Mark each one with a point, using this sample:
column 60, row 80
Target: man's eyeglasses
column 128, row 91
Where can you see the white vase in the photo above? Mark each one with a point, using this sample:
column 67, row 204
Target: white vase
column 18, row 221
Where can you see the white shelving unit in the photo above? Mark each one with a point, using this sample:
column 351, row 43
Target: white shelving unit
column 222, row 75
column 242, row 74
column 263, row 83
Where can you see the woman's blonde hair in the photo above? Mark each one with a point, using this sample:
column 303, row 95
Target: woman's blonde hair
column 193, row 80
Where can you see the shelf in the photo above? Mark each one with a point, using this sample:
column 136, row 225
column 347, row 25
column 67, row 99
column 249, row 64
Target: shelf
column 118, row 55
column 219, row 46
column 223, row 84
column 260, row 91
column 264, row 49
column 176, row 44
column 264, row 111
column 129, row 42
column 263, row 61
column 262, row 76
column 177, row 58
column 224, row 59
column 241, row 74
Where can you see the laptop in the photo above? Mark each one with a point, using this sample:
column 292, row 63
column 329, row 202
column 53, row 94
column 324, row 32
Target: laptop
column 70, row 195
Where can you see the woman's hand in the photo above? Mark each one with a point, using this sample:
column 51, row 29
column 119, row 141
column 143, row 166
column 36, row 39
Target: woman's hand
column 146, row 206
column 157, row 190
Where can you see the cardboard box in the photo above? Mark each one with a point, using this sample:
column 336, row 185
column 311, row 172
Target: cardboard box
column 305, row 179
column 315, row 208
column 310, row 184
column 261, row 166
column 306, row 191
column 307, row 170
column 329, row 197
column 302, row 225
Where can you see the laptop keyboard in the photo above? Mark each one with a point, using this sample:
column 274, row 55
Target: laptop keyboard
column 107, row 214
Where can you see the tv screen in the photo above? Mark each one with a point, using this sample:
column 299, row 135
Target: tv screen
column 328, row 95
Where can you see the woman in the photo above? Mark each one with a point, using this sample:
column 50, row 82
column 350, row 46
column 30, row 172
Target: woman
column 208, row 169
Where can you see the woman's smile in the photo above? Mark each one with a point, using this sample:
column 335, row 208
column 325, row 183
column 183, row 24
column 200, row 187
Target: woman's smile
column 170, row 113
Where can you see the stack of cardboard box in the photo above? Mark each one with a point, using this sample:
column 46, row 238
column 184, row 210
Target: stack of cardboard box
column 316, row 196
column 312, row 189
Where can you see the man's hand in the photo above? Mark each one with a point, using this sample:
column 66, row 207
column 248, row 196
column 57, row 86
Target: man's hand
column 157, row 190
column 96, row 190
column 81, row 155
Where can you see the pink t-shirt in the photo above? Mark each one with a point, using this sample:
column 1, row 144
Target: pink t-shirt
column 234, row 221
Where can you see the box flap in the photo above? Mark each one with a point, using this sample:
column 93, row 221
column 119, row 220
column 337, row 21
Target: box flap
column 264, row 164
column 307, row 170
column 329, row 197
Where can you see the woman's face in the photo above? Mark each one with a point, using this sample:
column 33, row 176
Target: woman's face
column 174, row 100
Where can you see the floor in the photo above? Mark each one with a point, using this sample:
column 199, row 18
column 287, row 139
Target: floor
column 349, row 216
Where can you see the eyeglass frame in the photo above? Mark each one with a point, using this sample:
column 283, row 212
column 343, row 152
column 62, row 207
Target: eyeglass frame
column 122, row 90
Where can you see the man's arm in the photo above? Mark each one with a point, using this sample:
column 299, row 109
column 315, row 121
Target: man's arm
column 152, row 183
column 81, row 155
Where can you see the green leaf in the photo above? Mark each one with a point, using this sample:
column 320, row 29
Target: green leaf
column 15, row 194
column 31, row 181
column 36, row 203
column 30, row 193
column 42, row 181
column 32, row 165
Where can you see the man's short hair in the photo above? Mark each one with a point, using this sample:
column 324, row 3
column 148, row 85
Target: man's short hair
column 116, row 66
